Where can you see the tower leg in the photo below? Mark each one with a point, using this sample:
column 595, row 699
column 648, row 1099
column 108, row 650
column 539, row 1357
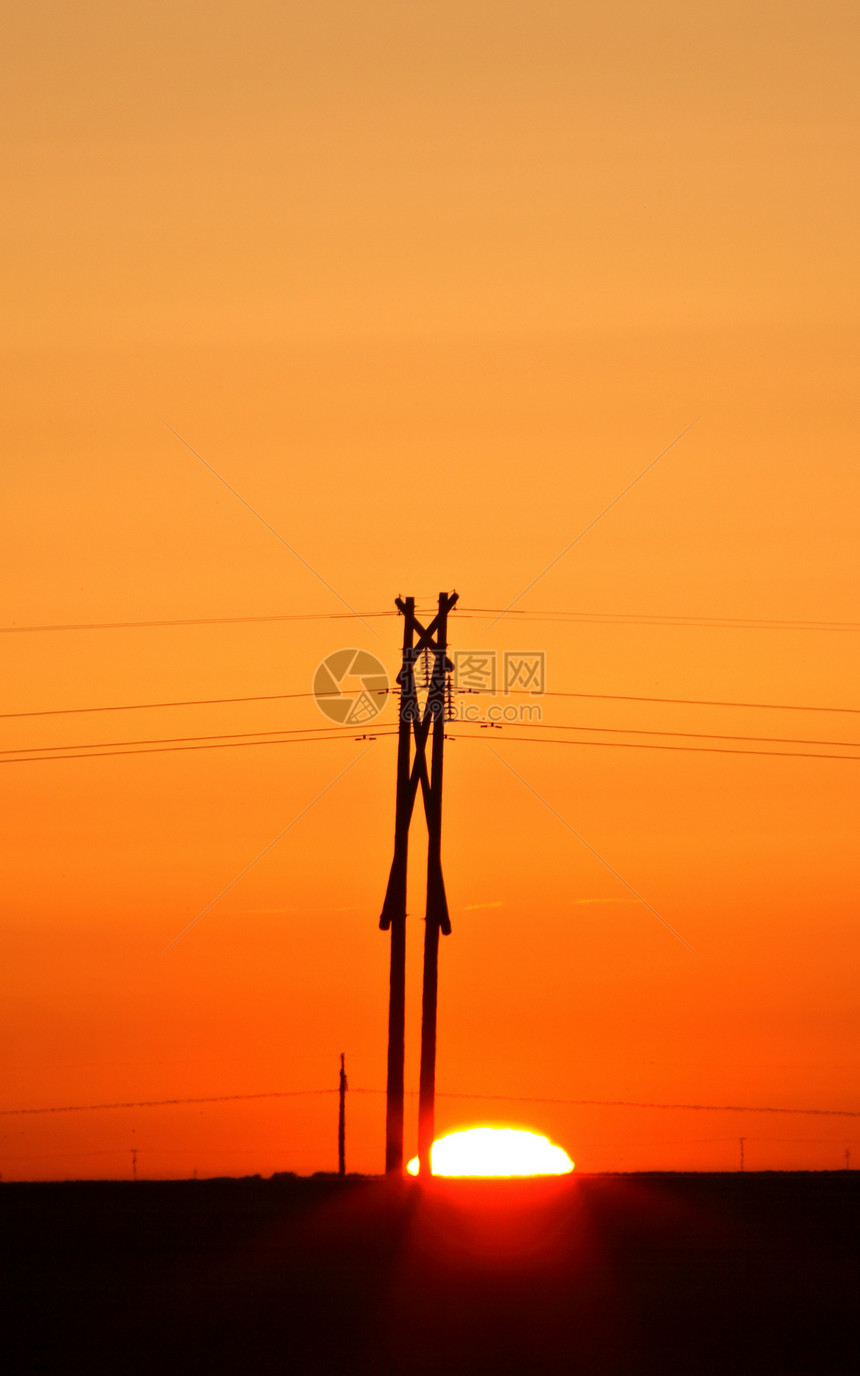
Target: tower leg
column 396, row 1048
column 427, row 1089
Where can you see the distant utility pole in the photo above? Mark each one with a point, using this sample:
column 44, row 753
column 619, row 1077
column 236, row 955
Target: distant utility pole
column 847, row 1158
column 743, row 1139
column 134, row 1163
column 341, row 1120
column 412, row 770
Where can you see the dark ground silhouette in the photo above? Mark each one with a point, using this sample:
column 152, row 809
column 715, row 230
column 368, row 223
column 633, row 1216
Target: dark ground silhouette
column 660, row 1274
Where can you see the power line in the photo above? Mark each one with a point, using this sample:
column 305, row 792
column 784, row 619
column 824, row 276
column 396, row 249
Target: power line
column 176, row 740
column 444, row 1094
column 223, row 745
column 519, row 692
column 471, row 614
column 311, row 734
column 164, row 1103
column 629, row 1103
column 188, row 702
column 633, row 619
column 194, row 621
column 691, row 735
column 675, row 702
column 693, row 749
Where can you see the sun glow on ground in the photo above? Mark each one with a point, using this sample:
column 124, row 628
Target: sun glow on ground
column 495, row 1152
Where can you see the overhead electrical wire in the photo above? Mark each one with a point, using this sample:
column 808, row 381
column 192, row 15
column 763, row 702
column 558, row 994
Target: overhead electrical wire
column 352, row 733
column 634, row 619
column 511, row 692
column 196, row 621
column 441, row 1094
column 649, row 745
column 692, row 735
column 674, row 702
column 178, row 740
column 164, row 1103
column 468, row 613
column 262, row 737
column 188, row 702
column 635, row 1103
column 310, row 735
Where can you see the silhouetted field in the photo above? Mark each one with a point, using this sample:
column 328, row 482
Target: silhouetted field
column 596, row 1274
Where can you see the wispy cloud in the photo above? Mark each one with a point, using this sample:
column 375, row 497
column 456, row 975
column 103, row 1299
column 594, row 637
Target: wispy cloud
column 589, row 527
column 283, row 912
column 278, row 536
column 588, row 846
column 257, row 858
column 581, row 902
column 470, row 907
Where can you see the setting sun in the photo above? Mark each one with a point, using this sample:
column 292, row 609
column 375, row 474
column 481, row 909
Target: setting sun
column 495, row 1152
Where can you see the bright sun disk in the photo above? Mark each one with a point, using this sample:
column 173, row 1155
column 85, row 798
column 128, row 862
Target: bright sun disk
column 495, row 1152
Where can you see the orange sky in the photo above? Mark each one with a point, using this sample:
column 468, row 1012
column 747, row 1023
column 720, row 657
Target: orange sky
column 429, row 285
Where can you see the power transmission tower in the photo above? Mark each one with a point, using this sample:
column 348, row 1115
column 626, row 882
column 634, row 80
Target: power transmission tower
column 341, row 1119
column 413, row 770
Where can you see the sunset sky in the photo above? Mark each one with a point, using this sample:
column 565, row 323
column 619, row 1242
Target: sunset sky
column 429, row 285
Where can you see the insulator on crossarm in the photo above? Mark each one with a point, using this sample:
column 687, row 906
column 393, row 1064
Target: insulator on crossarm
column 449, row 698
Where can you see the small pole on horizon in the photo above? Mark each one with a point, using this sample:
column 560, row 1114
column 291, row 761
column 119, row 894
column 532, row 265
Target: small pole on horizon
column 847, row 1158
column 341, row 1119
column 743, row 1139
column 134, row 1163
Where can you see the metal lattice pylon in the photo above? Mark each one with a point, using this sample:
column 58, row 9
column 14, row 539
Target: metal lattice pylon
column 414, row 772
